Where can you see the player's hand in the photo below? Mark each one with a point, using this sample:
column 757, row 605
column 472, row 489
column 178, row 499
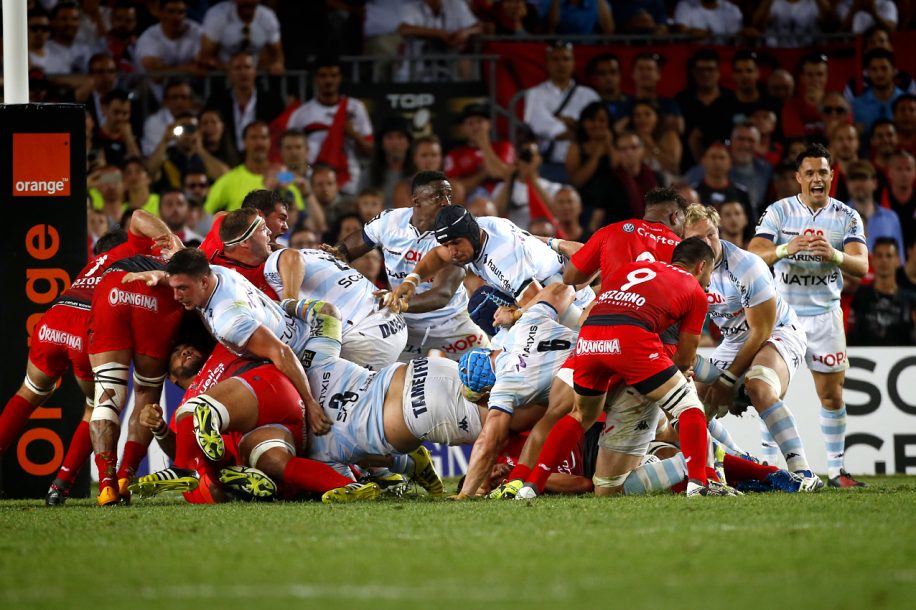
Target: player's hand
column 168, row 245
column 151, row 417
column 150, row 278
column 719, row 397
column 319, row 423
column 459, row 496
column 333, row 251
column 401, row 296
column 386, row 300
column 819, row 246
column 799, row 243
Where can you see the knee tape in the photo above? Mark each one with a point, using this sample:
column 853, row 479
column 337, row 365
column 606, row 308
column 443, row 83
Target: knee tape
column 148, row 382
column 766, row 375
column 614, row 481
column 265, row 446
column 680, row 398
column 656, row 446
column 36, row 389
column 218, row 409
column 570, row 317
column 110, row 391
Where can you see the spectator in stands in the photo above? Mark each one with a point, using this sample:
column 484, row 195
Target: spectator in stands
column 304, row 239
column 196, row 187
column 552, row 107
column 121, row 41
column 345, row 225
column 337, row 126
column 906, row 274
column 662, row 145
column 174, row 211
column 632, row 171
column 647, row 73
column 173, row 43
column 480, row 162
column 792, row 23
column 781, row 85
column 747, row 170
column 716, row 187
column 844, row 147
column 216, row 139
column 750, row 94
column 63, row 54
column 590, row 166
column 434, row 27
column 97, row 225
column 801, row 116
column 835, row 110
column 568, row 207
column 137, row 181
column 877, row 37
column 784, row 182
column 332, row 200
column 369, row 203
column 245, row 100
column 180, row 151
column 883, row 314
column 577, row 16
column 733, row 224
column 904, row 108
column 857, row 16
column 481, row 205
column 241, row 26
column 640, row 16
column 705, row 18
column 106, row 190
column 95, row 157
column 900, row 195
column 294, row 154
column 542, row 227
column 391, row 162
column 371, row 266
column 705, row 105
column 427, row 156
column 769, row 148
column 39, row 33
column 879, row 221
column 230, row 190
column 513, row 196
column 177, row 99
column 877, row 101
column 603, row 74
column 512, row 18
column 114, row 135
column 103, row 77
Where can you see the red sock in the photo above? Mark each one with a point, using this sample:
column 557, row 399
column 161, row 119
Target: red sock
column 202, row 494
column 309, row 475
column 77, row 453
column 134, row 453
column 738, row 469
column 692, row 435
column 107, row 462
column 187, row 452
column 679, row 487
column 519, row 472
column 562, row 439
column 12, row 420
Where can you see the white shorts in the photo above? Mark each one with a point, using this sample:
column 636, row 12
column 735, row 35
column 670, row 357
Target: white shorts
column 631, row 422
column 434, row 405
column 789, row 341
column 375, row 341
column 826, row 342
column 453, row 338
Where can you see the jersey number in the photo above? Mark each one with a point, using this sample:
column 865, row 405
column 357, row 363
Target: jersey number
column 638, row 276
column 554, row 345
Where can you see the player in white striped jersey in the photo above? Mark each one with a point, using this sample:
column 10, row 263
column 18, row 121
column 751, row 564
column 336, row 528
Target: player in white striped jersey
column 762, row 339
column 811, row 240
column 372, row 336
column 242, row 318
column 516, row 380
column 437, row 318
column 504, row 256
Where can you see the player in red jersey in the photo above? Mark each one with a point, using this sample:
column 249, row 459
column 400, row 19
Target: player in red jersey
column 620, row 336
column 129, row 323
column 60, row 341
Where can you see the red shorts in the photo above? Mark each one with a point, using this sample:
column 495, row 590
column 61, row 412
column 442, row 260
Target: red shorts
column 133, row 317
column 633, row 353
column 60, row 339
column 278, row 400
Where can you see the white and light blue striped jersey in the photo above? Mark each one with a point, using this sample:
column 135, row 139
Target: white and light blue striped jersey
column 236, row 309
column 329, row 279
column 534, row 349
column 809, row 285
column 511, row 258
column 402, row 248
column 742, row 280
column 353, row 397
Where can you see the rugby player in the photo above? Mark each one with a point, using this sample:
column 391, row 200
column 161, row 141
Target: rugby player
column 811, row 240
column 438, row 317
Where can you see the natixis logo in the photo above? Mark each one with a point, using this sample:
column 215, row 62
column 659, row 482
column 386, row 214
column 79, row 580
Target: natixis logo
column 41, row 164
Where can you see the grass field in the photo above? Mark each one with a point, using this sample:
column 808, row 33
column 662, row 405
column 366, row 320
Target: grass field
column 837, row 550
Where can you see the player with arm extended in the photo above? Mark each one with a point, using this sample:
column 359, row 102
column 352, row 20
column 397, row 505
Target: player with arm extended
column 437, row 318
column 501, row 254
column 762, row 339
column 620, row 336
column 515, row 380
column 811, row 240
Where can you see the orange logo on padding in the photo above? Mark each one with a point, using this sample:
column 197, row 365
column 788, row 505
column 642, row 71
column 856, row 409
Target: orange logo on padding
column 41, row 164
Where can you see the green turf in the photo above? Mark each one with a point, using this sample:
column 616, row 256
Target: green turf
column 851, row 549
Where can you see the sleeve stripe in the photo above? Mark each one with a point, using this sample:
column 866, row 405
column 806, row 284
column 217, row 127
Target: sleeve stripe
column 766, row 236
column 498, row 408
column 855, row 238
column 367, row 239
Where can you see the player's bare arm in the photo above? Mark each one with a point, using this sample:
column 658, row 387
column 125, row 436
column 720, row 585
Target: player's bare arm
column 292, row 272
column 486, row 449
column 853, row 260
column 350, row 248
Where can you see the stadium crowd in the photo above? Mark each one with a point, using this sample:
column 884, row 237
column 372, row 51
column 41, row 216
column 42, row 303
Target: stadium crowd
column 361, row 289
